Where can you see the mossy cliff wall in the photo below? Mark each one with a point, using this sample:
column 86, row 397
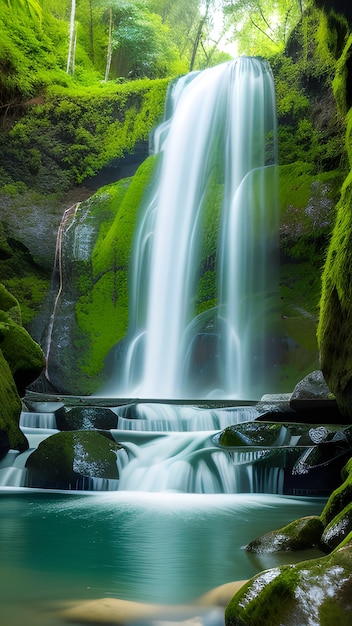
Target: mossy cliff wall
column 335, row 323
column 90, row 290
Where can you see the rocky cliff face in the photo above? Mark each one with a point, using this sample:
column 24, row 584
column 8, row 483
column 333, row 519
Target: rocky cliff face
column 335, row 324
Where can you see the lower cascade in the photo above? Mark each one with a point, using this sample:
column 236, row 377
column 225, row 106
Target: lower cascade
column 156, row 447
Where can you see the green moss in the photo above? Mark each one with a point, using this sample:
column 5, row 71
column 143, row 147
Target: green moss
column 107, row 297
column 77, row 131
column 10, row 304
column 265, row 604
column 65, row 456
column 300, row 534
column 31, row 291
column 339, row 82
column 331, row 613
column 335, row 338
column 24, row 356
column 11, row 408
column 339, row 528
column 340, row 498
column 284, row 595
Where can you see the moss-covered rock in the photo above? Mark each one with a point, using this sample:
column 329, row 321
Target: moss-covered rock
column 311, row 592
column 65, row 460
column 10, row 409
column 21, row 361
column 340, row 498
column 338, row 529
column 24, row 356
column 300, row 534
column 279, row 434
column 91, row 315
column 86, row 418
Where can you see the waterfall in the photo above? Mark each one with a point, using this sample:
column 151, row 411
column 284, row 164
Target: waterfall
column 216, row 178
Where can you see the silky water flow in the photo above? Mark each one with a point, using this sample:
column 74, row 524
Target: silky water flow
column 216, row 178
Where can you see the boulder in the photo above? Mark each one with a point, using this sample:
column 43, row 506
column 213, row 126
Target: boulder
column 21, row 361
column 24, row 356
column 278, row 434
column 311, row 400
column 312, row 592
column 71, row 460
column 340, row 498
column 301, row 534
column 311, row 388
column 86, row 418
column 309, row 458
column 338, row 529
column 10, row 403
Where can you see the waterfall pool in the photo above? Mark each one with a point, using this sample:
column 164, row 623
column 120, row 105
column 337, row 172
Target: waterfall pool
column 165, row 548
column 147, row 542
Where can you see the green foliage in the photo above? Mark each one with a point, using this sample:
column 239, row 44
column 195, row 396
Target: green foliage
column 262, row 26
column 142, row 46
column 334, row 330
column 74, row 133
column 341, row 87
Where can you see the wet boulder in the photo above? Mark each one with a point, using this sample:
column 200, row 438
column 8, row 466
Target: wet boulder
column 311, row 592
column 86, row 418
column 74, row 460
column 10, row 411
column 23, row 355
column 338, row 529
column 307, row 458
column 276, row 434
column 341, row 496
column 21, row 361
column 311, row 389
column 300, row 534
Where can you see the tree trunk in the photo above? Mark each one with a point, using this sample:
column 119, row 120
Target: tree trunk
column 108, row 59
column 71, row 47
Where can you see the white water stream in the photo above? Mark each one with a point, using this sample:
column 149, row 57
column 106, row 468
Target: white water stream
column 217, row 146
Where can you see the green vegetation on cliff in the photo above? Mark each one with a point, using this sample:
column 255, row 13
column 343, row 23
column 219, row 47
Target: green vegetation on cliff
column 106, row 297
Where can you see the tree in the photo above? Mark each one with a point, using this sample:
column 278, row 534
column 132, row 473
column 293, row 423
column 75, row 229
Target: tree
column 109, row 53
column 141, row 43
column 72, row 40
column 262, row 26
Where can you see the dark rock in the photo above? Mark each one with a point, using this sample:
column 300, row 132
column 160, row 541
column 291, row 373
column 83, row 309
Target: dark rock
column 311, row 400
column 301, row 534
column 86, row 418
column 312, row 387
column 306, row 458
column 4, row 444
column 71, row 460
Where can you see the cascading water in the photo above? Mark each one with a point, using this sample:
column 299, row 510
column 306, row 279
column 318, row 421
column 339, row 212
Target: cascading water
column 215, row 178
